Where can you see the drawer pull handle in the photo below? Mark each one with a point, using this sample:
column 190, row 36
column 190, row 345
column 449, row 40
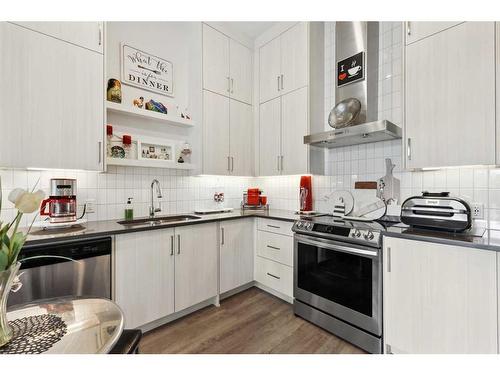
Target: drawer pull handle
column 270, row 274
column 273, row 247
column 273, row 226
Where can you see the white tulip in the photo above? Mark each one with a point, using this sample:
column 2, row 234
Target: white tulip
column 26, row 202
column 16, row 194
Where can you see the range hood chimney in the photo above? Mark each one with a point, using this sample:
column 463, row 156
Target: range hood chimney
column 356, row 53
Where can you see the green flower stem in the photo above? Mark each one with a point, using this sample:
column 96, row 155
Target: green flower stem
column 17, row 221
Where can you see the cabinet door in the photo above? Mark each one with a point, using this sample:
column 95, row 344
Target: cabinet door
column 294, row 120
column 215, row 61
column 439, row 298
column 50, row 116
column 270, row 138
column 450, row 97
column 419, row 30
column 240, row 67
column 215, row 134
column 84, row 34
column 270, row 70
column 241, row 138
column 144, row 276
column 294, row 58
column 196, row 260
column 236, row 253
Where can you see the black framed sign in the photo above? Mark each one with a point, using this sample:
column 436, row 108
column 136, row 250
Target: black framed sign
column 351, row 69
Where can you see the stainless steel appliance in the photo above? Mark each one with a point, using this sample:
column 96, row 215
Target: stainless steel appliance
column 61, row 202
column 437, row 211
column 64, row 268
column 357, row 54
column 338, row 278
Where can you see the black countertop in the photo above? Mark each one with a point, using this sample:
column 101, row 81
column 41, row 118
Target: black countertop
column 490, row 240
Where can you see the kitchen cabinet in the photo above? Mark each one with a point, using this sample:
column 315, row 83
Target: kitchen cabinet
column 84, row 34
column 236, row 253
column 159, row 272
column 283, row 124
column 439, row 298
column 450, row 97
column 50, row 117
column 284, row 63
column 196, row 264
column 419, row 30
column 227, row 136
column 144, row 275
column 227, row 66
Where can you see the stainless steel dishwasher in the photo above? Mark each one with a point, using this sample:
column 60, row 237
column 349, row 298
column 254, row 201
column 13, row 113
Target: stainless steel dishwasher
column 64, row 268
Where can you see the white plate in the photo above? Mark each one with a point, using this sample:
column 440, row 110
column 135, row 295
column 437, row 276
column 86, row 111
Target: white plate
column 48, row 225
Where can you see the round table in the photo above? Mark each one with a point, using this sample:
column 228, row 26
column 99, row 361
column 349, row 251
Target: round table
column 73, row 325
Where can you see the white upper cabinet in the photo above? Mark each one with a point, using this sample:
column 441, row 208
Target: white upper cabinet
column 270, row 70
column 84, row 34
column 51, row 102
column 241, row 138
column 284, row 63
column 270, row 138
column 236, row 253
column 450, row 97
column 418, row 30
column 294, row 125
column 439, row 299
column 215, row 61
column 241, row 69
column 216, row 159
column 227, row 66
column 294, row 58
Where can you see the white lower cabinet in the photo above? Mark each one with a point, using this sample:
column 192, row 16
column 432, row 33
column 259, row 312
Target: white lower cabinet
column 236, row 253
column 439, row 298
column 274, row 275
column 163, row 271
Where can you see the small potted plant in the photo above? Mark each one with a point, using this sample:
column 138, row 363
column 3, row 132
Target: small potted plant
column 11, row 243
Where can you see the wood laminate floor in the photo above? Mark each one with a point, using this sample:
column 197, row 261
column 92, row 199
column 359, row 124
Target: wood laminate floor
column 252, row 321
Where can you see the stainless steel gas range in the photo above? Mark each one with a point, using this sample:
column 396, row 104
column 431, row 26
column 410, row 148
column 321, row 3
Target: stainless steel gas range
column 338, row 278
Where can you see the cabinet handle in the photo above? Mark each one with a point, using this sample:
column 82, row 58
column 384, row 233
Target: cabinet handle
column 100, row 152
column 178, row 244
column 273, row 226
column 278, row 83
column 278, row 163
column 100, row 33
column 223, row 237
column 281, row 157
column 172, row 245
column 228, row 164
column 388, row 259
column 282, row 80
column 232, row 164
column 232, row 85
column 408, row 28
column 273, row 247
column 228, row 88
column 408, row 148
column 270, row 274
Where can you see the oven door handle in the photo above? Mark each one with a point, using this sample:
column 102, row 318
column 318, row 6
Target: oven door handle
column 345, row 249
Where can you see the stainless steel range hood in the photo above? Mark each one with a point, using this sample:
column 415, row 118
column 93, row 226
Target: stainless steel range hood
column 352, row 38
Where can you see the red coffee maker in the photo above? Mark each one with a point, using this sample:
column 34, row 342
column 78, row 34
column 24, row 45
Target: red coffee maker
column 61, row 203
column 305, row 194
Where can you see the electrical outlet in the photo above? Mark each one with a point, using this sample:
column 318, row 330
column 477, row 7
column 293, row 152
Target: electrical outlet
column 90, row 206
column 477, row 210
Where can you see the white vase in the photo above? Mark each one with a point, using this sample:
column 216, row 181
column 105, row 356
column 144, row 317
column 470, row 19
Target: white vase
column 6, row 279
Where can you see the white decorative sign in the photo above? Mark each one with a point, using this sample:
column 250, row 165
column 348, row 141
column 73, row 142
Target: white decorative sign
column 146, row 71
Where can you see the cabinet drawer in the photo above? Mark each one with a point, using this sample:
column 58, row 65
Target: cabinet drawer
column 274, row 275
column 275, row 247
column 275, row 226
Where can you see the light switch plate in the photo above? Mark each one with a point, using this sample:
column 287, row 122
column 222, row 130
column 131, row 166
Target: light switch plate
column 477, row 211
column 90, row 206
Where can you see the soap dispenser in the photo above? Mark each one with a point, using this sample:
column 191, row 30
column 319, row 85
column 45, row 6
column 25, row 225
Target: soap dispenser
column 129, row 210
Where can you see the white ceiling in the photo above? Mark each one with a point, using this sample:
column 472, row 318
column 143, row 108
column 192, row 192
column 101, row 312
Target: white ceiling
column 251, row 29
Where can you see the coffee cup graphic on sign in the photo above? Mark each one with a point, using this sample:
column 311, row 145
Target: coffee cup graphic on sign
column 350, row 70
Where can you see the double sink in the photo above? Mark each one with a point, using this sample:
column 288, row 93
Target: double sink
column 152, row 221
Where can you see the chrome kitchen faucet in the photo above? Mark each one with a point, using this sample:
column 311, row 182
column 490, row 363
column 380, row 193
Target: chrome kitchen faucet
column 152, row 209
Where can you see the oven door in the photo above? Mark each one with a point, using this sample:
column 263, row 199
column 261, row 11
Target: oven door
column 343, row 280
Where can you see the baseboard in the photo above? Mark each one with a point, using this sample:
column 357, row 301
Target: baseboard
column 275, row 293
column 236, row 290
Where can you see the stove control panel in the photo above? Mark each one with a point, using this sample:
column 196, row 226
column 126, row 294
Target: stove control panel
column 336, row 231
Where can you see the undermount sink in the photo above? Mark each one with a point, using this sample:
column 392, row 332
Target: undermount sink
column 159, row 220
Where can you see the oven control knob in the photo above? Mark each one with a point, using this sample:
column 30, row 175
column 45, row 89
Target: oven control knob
column 300, row 224
column 357, row 233
column 309, row 226
column 369, row 235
